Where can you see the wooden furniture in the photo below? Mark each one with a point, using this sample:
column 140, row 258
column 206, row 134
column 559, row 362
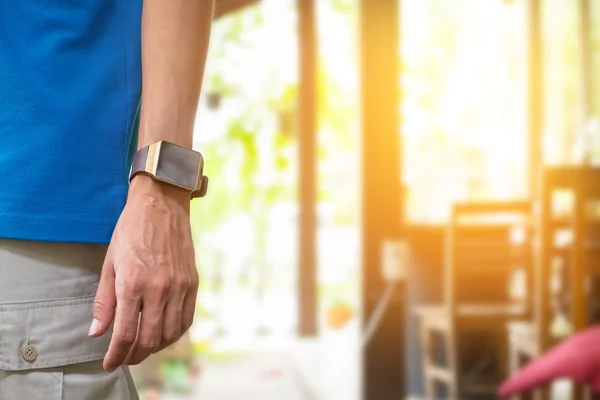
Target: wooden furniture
column 464, row 345
column 567, row 267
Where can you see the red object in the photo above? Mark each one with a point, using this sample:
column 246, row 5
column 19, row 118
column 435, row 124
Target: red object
column 274, row 373
column 576, row 358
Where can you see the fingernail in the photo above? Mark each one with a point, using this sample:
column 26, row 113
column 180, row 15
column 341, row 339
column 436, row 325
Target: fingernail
column 94, row 327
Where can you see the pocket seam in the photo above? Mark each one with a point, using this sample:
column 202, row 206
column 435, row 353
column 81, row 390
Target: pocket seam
column 41, row 304
column 5, row 364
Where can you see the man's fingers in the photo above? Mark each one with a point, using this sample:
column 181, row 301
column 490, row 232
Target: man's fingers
column 149, row 336
column 124, row 332
column 178, row 315
column 189, row 305
column 104, row 302
column 179, row 319
column 171, row 330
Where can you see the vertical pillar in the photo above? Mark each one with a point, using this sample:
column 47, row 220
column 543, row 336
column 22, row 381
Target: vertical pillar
column 535, row 119
column 585, row 40
column 383, row 357
column 307, row 113
column 542, row 196
column 535, row 95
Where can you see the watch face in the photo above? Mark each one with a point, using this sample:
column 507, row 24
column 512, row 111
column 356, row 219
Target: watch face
column 178, row 165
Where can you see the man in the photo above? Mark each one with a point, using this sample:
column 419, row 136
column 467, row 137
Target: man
column 97, row 266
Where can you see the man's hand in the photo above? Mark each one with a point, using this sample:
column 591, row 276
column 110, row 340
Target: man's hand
column 149, row 280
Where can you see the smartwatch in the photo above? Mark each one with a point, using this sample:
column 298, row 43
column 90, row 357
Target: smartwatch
column 173, row 165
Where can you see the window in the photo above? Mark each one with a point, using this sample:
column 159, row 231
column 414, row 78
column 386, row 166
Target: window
column 564, row 124
column 464, row 103
column 594, row 120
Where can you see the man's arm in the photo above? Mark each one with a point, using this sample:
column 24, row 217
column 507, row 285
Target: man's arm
column 150, row 267
column 175, row 35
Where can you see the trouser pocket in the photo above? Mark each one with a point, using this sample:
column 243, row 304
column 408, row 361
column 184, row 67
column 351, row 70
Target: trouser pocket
column 48, row 334
column 89, row 381
column 46, row 353
column 83, row 381
column 31, row 385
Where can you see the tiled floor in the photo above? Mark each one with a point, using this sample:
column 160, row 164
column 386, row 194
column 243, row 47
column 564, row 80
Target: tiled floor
column 259, row 377
column 320, row 369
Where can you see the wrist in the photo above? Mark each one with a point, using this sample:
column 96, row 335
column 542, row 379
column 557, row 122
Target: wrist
column 143, row 185
column 153, row 130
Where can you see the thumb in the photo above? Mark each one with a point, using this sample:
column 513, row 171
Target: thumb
column 104, row 302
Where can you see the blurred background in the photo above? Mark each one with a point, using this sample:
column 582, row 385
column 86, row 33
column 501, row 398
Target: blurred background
column 404, row 199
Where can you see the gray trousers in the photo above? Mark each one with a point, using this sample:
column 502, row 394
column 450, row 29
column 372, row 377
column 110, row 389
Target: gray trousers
column 46, row 295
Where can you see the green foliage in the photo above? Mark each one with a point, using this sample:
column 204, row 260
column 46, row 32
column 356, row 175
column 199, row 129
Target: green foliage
column 237, row 161
column 252, row 159
column 338, row 294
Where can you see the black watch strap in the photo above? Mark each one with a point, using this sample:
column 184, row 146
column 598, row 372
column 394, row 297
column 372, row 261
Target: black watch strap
column 139, row 162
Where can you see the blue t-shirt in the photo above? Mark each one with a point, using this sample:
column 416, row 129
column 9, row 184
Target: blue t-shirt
column 70, row 85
